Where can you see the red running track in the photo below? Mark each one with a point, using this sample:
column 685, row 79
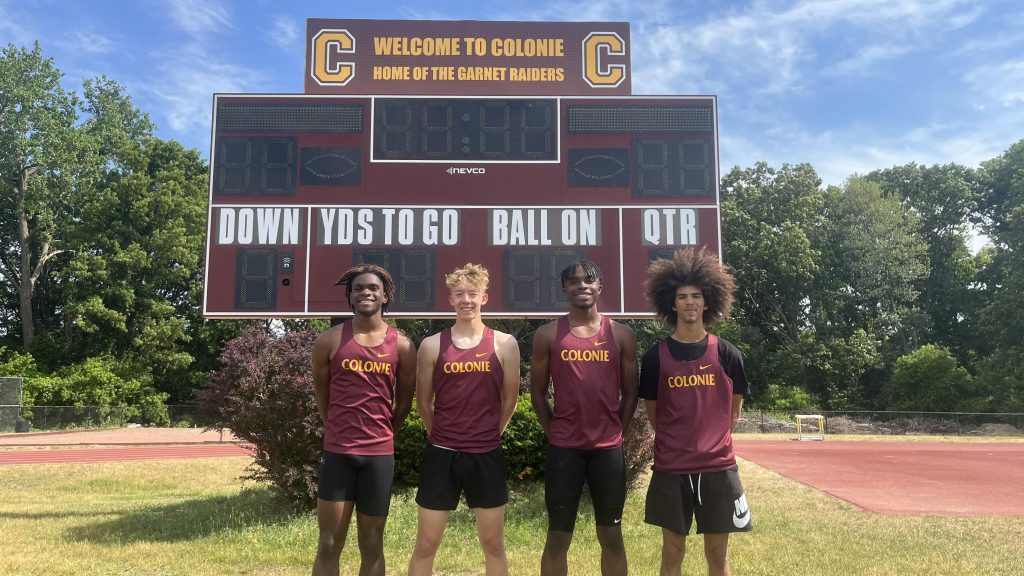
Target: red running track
column 119, row 454
column 903, row 478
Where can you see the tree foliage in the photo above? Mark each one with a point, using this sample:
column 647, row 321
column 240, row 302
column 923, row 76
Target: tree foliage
column 133, row 286
column 945, row 198
column 929, row 379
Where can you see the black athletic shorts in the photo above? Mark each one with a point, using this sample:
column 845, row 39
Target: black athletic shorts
column 716, row 499
column 366, row 480
column 445, row 474
column 566, row 469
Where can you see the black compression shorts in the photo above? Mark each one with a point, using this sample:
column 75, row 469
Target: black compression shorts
column 366, row 480
column 566, row 469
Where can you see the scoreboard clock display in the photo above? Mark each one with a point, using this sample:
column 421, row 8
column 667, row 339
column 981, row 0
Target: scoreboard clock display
column 303, row 187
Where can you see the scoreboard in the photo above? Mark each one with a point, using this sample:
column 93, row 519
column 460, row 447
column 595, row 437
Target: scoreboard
column 305, row 186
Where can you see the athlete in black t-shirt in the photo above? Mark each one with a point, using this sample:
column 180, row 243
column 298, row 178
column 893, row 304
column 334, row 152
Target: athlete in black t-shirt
column 693, row 385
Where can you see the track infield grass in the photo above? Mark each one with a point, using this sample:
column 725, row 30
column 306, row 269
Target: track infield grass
column 195, row 518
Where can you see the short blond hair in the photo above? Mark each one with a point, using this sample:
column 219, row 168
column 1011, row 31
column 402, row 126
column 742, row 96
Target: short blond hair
column 473, row 274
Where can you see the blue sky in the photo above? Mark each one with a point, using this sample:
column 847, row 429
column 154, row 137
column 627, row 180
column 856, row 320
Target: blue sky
column 845, row 85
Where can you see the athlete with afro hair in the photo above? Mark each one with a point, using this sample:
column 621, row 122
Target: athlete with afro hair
column 693, row 384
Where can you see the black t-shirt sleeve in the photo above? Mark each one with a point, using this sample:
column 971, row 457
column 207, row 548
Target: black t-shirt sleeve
column 650, row 365
column 732, row 362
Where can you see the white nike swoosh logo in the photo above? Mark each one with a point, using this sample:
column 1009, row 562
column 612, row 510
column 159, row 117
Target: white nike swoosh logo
column 741, row 521
column 741, row 517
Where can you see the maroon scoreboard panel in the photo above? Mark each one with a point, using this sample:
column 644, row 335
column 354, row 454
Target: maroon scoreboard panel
column 305, row 186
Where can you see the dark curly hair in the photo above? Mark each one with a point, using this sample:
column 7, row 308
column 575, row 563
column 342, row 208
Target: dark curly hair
column 590, row 269
column 385, row 280
column 693, row 267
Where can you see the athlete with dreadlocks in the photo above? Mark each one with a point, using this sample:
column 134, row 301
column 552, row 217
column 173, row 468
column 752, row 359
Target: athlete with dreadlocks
column 364, row 376
column 591, row 362
column 693, row 384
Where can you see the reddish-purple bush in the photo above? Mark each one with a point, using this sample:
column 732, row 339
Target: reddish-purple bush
column 263, row 393
column 638, row 448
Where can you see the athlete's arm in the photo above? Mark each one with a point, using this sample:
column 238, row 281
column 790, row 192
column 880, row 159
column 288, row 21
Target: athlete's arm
column 630, row 379
column 425, row 361
column 737, row 408
column 650, row 367
column 508, row 355
column 325, row 343
column 540, row 374
column 405, row 384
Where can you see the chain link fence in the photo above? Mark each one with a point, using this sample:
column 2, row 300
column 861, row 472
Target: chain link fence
column 41, row 418
column 891, row 423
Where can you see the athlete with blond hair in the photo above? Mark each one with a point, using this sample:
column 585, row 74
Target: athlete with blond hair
column 466, row 392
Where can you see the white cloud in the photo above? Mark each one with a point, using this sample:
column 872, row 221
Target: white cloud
column 188, row 80
column 15, row 27
column 838, row 154
column 777, row 47
column 1001, row 82
column 199, row 16
column 284, row 32
column 87, row 41
column 864, row 61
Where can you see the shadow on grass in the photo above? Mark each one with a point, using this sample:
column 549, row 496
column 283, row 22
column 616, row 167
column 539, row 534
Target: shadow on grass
column 47, row 515
column 188, row 520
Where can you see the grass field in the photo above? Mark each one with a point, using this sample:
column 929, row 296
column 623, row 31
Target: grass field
column 194, row 518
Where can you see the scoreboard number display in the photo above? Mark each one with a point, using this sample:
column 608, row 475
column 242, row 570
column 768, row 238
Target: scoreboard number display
column 304, row 186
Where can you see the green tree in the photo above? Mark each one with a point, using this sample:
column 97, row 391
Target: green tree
column 945, row 198
column 1003, row 207
column 769, row 221
column 930, row 380
column 133, row 286
column 1002, row 280
column 873, row 262
column 1001, row 376
column 40, row 151
column 49, row 158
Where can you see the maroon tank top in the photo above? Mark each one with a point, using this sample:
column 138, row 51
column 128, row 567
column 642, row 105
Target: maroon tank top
column 362, row 396
column 587, row 383
column 693, row 414
column 467, row 396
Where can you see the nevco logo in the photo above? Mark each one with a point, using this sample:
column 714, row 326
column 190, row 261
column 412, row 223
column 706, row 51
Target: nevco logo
column 453, row 170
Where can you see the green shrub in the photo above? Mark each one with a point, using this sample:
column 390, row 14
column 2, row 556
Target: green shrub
column 783, row 398
column 410, row 442
column 104, row 382
column 523, row 443
column 929, row 380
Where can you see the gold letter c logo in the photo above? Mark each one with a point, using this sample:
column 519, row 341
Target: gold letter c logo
column 595, row 73
column 327, row 46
